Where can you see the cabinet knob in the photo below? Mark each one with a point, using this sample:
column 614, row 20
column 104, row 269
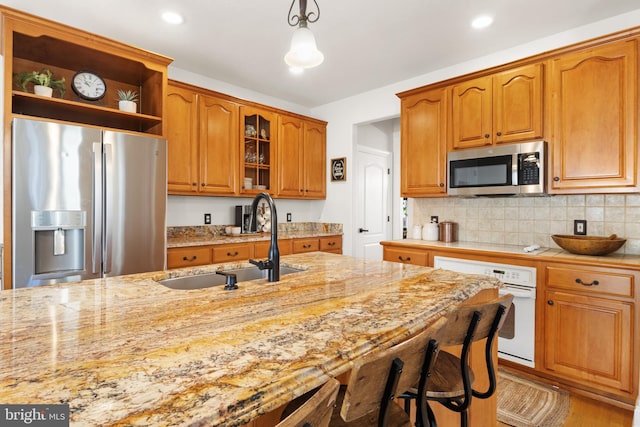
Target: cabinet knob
column 580, row 282
column 556, row 178
column 194, row 184
column 550, row 302
column 203, row 184
column 486, row 135
column 193, row 258
column 441, row 184
column 499, row 133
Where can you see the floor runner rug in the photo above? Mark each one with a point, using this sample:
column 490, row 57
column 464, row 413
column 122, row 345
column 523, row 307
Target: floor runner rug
column 526, row 403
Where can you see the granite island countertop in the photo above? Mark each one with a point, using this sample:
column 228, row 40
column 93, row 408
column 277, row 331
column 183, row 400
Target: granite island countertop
column 129, row 351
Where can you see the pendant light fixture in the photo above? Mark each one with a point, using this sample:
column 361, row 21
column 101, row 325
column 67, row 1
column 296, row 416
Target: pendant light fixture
column 303, row 52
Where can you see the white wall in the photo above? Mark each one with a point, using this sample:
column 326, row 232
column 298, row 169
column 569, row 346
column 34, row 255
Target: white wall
column 190, row 210
column 382, row 103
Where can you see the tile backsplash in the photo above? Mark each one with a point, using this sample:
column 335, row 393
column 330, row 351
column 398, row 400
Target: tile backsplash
column 532, row 220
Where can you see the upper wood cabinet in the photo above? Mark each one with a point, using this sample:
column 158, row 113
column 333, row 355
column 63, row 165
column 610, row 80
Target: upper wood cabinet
column 423, row 144
column 30, row 44
column 594, row 119
column 182, row 140
column 218, row 121
column 301, row 158
column 498, row 108
column 258, row 136
column 201, row 140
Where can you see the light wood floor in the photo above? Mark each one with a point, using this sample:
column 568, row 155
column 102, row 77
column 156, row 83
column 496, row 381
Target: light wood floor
column 590, row 413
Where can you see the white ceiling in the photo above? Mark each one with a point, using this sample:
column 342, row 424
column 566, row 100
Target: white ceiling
column 366, row 43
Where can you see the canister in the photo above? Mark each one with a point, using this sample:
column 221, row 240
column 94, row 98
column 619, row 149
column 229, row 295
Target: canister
column 430, row 231
column 448, row 231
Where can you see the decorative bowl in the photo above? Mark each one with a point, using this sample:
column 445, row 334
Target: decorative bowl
column 589, row 245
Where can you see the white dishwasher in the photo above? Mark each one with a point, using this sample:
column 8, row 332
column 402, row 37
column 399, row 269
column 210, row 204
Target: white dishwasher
column 516, row 341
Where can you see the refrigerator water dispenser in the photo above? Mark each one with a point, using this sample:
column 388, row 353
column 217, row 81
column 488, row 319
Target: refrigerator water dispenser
column 59, row 238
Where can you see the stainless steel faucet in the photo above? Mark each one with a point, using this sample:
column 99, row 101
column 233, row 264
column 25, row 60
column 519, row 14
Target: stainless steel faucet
column 273, row 262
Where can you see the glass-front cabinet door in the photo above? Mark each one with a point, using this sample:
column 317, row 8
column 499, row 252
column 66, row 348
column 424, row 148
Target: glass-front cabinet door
column 257, row 150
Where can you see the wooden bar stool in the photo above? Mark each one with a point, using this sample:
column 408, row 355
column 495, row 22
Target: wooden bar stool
column 376, row 379
column 315, row 411
column 451, row 378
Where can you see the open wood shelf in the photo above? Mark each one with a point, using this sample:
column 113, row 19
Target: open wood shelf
column 62, row 109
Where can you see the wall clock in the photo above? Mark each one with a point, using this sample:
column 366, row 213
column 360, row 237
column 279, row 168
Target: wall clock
column 88, row 85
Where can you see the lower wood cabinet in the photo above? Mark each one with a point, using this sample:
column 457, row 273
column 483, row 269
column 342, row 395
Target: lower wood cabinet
column 406, row 255
column 188, row 257
column 192, row 256
column 261, row 249
column 331, row 244
column 590, row 327
column 232, row 252
column 306, row 245
column 587, row 329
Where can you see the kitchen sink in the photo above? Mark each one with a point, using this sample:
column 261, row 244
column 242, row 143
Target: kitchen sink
column 208, row 280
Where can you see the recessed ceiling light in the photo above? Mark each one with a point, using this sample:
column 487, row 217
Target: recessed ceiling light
column 172, row 18
column 482, row 21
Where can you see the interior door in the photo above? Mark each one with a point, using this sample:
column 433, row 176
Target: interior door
column 373, row 220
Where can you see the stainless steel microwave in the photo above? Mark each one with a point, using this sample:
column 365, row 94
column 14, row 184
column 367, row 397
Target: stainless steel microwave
column 514, row 169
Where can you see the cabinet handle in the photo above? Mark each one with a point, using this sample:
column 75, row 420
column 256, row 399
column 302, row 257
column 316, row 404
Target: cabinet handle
column 194, row 184
column 362, row 230
column 550, row 302
column 232, row 254
column 203, row 184
column 193, row 258
column 306, row 246
column 556, row 178
column 486, row 135
column 499, row 133
column 594, row 283
column 331, row 243
column 401, row 258
column 442, row 184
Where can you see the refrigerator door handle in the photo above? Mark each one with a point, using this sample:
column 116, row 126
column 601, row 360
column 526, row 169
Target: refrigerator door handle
column 108, row 166
column 97, row 208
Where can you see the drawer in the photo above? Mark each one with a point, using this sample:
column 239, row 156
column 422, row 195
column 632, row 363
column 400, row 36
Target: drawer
column 226, row 253
column 593, row 281
column 331, row 244
column 261, row 249
column 406, row 256
column 188, row 257
column 305, row 245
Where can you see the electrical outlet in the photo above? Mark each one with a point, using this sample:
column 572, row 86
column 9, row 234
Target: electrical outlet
column 434, row 218
column 207, row 218
column 580, row 227
column 288, row 216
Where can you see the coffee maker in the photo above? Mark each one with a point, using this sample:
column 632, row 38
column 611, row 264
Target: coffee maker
column 243, row 218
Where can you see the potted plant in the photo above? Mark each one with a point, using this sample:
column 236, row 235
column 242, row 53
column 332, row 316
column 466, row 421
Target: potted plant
column 43, row 82
column 127, row 100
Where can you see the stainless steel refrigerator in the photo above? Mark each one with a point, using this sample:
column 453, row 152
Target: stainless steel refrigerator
column 86, row 203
